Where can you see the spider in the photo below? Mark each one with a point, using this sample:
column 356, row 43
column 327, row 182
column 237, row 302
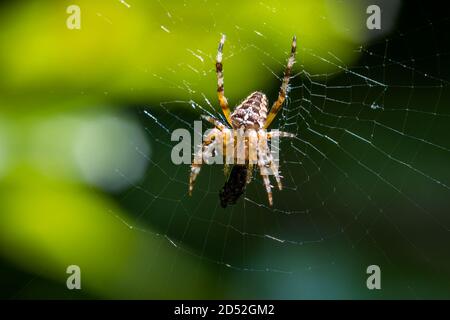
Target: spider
column 250, row 114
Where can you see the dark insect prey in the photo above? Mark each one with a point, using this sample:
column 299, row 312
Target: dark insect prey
column 234, row 187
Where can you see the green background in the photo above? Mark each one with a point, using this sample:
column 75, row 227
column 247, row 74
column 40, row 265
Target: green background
column 75, row 125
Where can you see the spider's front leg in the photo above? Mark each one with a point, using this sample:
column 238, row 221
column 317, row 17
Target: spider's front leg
column 220, row 91
column 284, row 85
column 209, row 143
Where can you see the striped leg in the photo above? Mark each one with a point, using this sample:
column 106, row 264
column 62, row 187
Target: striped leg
column 219, row 125
column 252, row 152
column 220, row 92
column 274, row 168
column 270, row 166
column 227, row 139
column 280, row 134
column 249, row 173
column 198, row 159
column 263, row 162
column 273, row 164
column 284, row 85
column 266, row 181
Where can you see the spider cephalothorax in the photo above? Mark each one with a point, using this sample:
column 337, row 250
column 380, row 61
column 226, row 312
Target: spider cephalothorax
column 250, row 115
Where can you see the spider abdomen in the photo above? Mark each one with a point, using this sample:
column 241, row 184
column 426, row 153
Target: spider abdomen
column 251, row 113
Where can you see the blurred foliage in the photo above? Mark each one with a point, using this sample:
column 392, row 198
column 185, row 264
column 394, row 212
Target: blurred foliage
column 47, row 225
column 155, row 50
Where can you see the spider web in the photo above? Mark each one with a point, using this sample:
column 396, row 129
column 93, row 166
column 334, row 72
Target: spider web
column 365, row 179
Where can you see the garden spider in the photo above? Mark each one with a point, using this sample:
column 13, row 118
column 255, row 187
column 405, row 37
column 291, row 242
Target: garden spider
column 250, row 114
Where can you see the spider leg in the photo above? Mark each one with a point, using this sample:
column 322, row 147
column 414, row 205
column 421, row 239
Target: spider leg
column 226, row 170
column 274, row 168
column 227, row 139
column 252, row 152
column 280, row 134
column 270, row 163
column 273, row 165
column 249, row 173
column 198, row 158
column 284, row 85
column 220, row 92
column 268, row 188
column 214, row 121
column 263, row 161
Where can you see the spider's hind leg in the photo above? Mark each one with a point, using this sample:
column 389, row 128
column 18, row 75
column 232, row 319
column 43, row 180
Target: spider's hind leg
column 272, row 164
column 196, row 165
column 266, row 181
column 249, row 173
column 274, row 168
column 264, row 164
